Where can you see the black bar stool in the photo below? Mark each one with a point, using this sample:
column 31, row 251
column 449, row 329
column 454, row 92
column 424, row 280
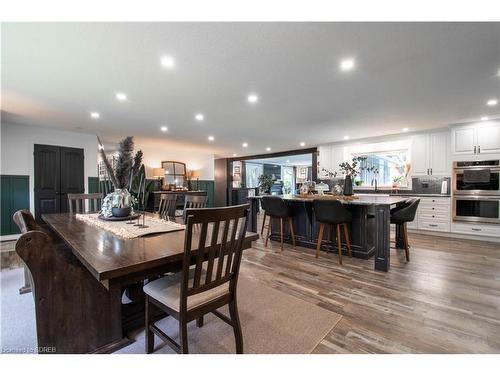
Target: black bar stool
column 276, row 208
column 332, row 212
column 263, row 205
column 402, row 215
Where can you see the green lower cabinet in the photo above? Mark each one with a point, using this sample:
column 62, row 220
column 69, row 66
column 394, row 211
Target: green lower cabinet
column 14, row 196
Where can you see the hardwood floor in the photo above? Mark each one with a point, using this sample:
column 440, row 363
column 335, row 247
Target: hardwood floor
column 445, row 300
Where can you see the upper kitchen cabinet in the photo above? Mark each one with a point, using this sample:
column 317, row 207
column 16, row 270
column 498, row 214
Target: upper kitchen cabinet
column 329, row 158
column 476, row 139
column 324, row 160
column 430, row 154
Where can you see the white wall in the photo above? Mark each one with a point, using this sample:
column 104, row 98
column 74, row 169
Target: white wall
column 17, row 147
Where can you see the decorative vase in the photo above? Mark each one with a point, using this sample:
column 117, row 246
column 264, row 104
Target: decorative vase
column 348, row 185
column 121, row 212
column 117, row 203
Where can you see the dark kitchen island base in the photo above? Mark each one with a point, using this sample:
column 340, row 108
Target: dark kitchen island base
column 369, row 230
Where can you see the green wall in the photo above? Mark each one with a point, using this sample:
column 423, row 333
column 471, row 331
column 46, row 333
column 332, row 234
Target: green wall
column 208, row 186
column 14, row 191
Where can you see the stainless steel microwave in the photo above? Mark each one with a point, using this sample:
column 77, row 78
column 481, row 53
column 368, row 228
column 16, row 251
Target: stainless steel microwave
column 476, row 177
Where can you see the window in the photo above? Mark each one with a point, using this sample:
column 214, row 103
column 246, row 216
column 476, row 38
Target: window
column 392, row 167
column 253, row 171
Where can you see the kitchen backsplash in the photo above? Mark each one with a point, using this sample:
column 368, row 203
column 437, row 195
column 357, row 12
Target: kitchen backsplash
column 420, row 185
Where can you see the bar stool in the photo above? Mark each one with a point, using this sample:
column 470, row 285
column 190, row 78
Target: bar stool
column 276, row 208
column 402, row 215
column 332, row 212
column 263, row 205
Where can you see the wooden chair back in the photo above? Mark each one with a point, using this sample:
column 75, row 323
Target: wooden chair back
column 76, row 202
column 106, row 187
column 194, row 201
column 168, row 203
column 24, row 220
column 219, row 246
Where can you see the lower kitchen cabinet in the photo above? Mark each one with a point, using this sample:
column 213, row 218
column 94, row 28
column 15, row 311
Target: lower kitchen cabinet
column 478, row 229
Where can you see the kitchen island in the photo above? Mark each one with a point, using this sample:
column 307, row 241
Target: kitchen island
column 369, row 229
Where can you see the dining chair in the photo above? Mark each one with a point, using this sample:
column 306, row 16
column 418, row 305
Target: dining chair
column 209, row 284
column 25, row 222
column 194, row 201
column 166, row 208
column 402, row 215
column 78, row 200
column 333, row 213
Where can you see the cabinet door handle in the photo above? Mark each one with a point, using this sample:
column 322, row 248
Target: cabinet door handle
column 477, row 229
column 478, row 149
column 475, row 149
column 431, row 170
column 433, row 225
column 427, row 170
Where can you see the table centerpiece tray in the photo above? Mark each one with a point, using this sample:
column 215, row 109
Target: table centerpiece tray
column 117, row 218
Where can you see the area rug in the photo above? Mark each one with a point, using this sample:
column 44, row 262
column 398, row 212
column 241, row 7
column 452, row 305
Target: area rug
column 272, row 323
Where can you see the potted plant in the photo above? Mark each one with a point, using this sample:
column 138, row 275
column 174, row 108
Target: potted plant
column 396, row 181
column 265, row 183
column 119, row 203
column 350, row 171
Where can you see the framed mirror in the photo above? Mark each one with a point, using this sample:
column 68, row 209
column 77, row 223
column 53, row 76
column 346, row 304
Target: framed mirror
column 175, row 174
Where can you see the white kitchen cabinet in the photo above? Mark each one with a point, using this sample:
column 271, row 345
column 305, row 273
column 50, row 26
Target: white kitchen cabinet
column 419, row 162
column 434, row 214
column 337, row 157
column 477, row 229
column 488, row 139
column 430, row 154
column 439, row 161
column 324, row 160
column 476, row 139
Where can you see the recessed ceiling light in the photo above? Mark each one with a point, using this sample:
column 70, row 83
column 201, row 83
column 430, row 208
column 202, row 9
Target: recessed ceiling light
column 492, row 102
column 199, row 117
column 235, row 155
column 346, row 137
column 211, row 138
column 121, row 96
column 347, row 64
column 245, row 144
column 268, row 148
column 164, row 129
column 168, row 62
column 288, row 161
column 95, row 114
column 252, row 98
column 484, row 118
column 302, row 144
column 405, row 129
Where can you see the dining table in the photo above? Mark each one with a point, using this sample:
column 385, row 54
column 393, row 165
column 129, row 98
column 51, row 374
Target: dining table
column 88, row 281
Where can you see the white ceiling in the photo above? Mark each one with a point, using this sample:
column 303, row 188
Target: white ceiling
column 415, row 75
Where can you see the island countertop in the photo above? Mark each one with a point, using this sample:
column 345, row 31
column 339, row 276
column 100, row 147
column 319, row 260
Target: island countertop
column 364, row 200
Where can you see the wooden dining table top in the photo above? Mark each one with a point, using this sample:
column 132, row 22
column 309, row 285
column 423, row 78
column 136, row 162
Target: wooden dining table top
column 109, row 256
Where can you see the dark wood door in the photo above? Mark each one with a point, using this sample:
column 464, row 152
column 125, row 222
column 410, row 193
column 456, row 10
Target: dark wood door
column 58, row 171
column 72, row 174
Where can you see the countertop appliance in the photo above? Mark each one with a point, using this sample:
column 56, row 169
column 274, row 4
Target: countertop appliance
column 476, row 191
